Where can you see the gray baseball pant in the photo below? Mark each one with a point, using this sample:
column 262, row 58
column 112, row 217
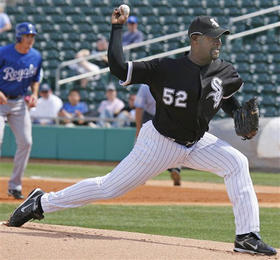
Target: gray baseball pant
column 18, row 117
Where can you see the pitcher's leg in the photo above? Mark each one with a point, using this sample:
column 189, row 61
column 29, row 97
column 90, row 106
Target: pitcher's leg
column 20, row 124
column 149, row 157
column 214, row 155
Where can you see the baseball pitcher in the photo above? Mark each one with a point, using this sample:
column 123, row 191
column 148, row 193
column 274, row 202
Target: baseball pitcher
column 188, row 91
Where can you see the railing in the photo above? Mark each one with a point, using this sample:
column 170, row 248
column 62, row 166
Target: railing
column 105, row 70
column 254, row 14
column 60, row 82
column 58, row 120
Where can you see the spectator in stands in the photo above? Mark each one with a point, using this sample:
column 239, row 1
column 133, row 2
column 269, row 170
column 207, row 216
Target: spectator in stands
column 87, row 66
column 47, row 108
column 101, row 45
column 132, row 34
column 5, row 24
column 127, row 115
column 109, row 108
column 74, row 110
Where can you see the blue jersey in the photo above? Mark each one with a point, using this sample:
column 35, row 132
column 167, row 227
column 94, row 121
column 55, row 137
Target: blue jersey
column 18, row 71
column 81, row 106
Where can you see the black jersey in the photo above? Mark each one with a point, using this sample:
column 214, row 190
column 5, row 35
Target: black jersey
column 187, row 95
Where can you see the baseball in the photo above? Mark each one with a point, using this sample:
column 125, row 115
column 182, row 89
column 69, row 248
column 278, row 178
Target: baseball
column 124, row 9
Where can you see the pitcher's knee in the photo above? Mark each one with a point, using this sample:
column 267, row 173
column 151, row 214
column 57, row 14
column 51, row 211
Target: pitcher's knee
column 241, row 164
column 110, row 194
column 110, row 190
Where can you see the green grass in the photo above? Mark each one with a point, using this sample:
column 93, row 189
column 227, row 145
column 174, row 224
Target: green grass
column 198, row 222
column 86, row 171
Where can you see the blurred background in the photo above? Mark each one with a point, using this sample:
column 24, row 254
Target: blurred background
column 69, row 29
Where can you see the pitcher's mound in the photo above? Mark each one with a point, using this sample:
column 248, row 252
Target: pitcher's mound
column 42, row 241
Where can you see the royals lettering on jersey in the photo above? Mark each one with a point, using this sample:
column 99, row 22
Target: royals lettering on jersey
column 18, row 71
column 10, row 74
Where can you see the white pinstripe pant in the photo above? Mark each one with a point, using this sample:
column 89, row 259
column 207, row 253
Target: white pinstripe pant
column 154, row 153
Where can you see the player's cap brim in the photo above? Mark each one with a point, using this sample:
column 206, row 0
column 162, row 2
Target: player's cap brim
column 215, row 33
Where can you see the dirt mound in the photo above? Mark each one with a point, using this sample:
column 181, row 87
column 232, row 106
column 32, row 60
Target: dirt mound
column 41, row 241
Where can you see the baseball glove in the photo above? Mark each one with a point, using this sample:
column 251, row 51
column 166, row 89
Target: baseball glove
column 246, row 119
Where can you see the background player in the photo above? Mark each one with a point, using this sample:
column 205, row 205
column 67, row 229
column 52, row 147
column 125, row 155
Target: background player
column 20, row 67
column 188, row 92
column 145, row 109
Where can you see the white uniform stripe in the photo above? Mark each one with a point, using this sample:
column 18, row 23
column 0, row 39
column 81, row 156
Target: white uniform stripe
column 147, row 159
column 212, row 154
column 154, row 153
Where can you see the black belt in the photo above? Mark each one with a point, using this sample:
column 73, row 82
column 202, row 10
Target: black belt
column 13, row 97
column 188, row 144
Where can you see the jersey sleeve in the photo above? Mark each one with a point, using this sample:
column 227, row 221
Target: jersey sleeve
column 230, row 105
column 141, row 72
column 232, row 83
column 127, row 72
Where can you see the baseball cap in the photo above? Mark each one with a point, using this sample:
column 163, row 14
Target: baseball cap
column 132, row 19
column 111, row 87
column 206, row 25
column 45, row 87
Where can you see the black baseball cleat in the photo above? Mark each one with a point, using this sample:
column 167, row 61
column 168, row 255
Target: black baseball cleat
column 16, row 194
column 29, row 209
column 253, row 244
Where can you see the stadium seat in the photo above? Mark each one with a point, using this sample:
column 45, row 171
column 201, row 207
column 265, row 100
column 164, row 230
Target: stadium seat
column 69, row 10
column 229, row 3
column 14, row 10
column 90, row 11
column 68, row 55
column 216, row 12
column 164, row 11
column 141, row 3
column 66, row 26
column 42, row 3
column 106, row 10
column 84, row 28
column 31, row 10
column 99, row 96
column 52, row 10
column 243, row 67
column 250, row 88
column 237, row 46
column 266, row 3
column 146, row 10
column 80, row 3
column 158, row 3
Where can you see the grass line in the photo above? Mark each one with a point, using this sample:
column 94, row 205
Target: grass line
column 198, row 222
column 89, row 171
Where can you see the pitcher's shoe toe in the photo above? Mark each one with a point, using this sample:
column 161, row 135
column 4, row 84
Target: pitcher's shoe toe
column 253, row 244
column 29, row 209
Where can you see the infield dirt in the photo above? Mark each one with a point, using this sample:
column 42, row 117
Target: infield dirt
column 42, row 241
column 155, row 192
